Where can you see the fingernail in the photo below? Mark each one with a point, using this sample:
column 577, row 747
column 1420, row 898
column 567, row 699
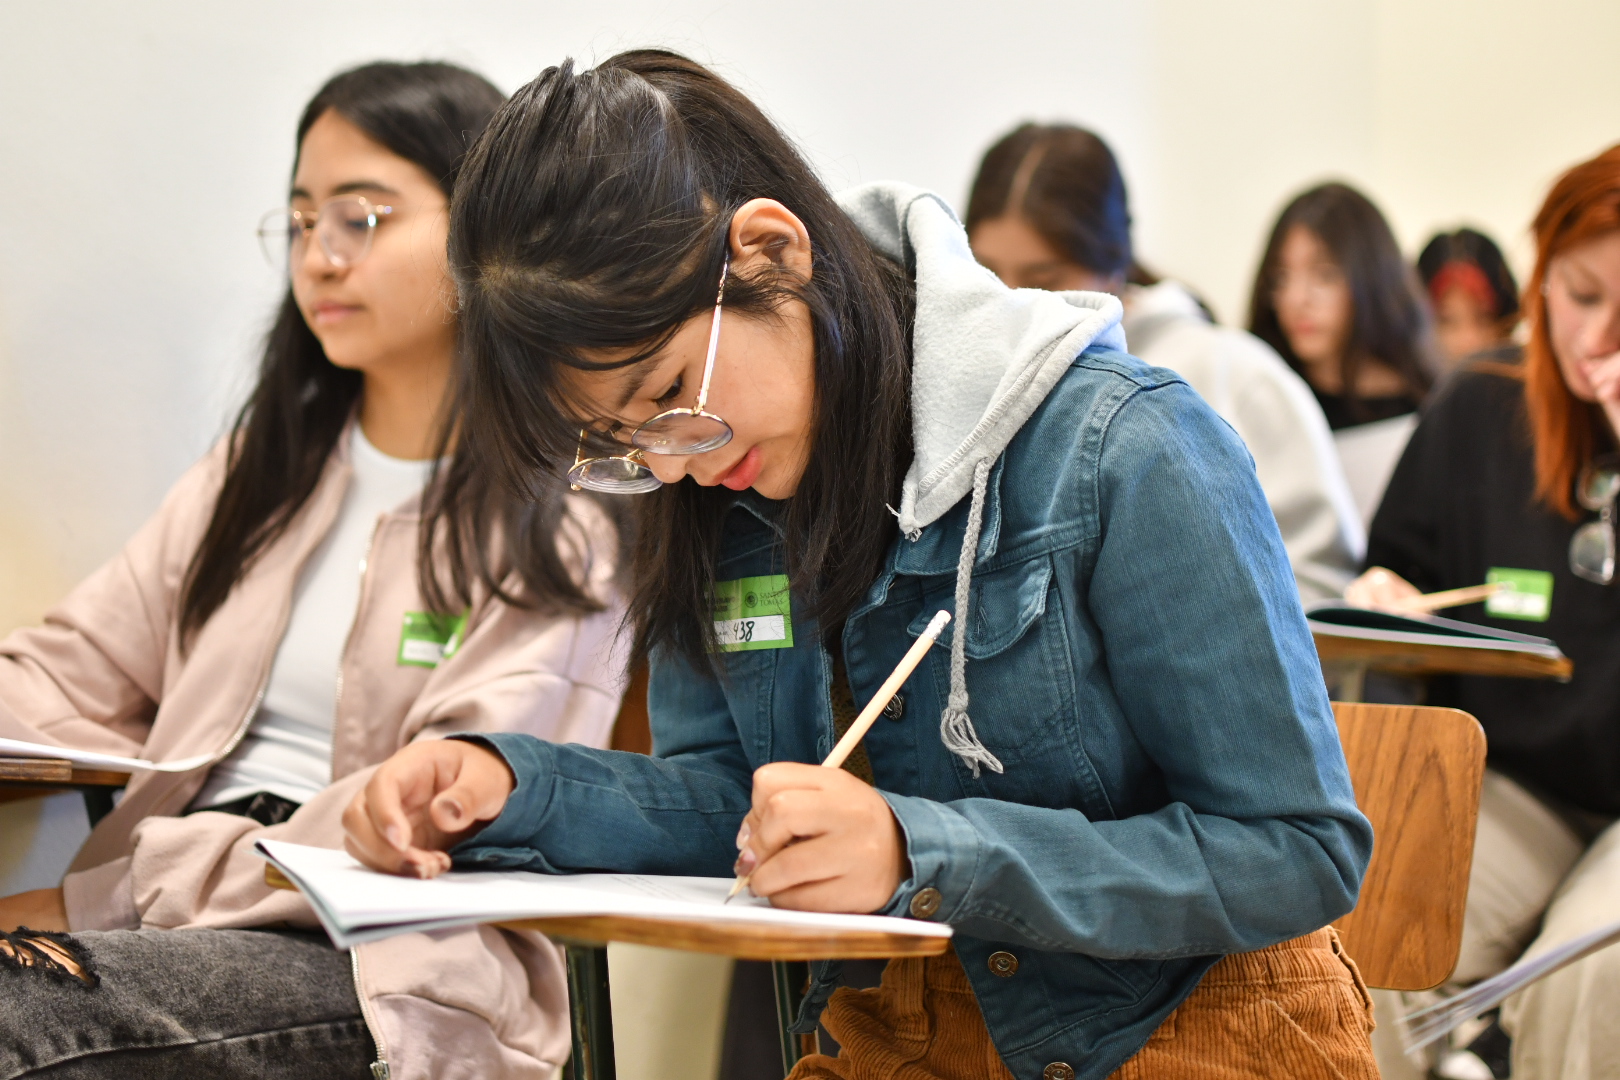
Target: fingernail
column 742, row 836
column 395, row 837
column 745, row 864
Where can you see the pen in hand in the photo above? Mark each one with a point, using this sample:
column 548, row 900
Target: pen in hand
column 880, row 700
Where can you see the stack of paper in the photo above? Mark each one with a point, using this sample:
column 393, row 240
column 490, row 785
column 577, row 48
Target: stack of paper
column 357, row 905
column 1426, row 1025
column 89, row 759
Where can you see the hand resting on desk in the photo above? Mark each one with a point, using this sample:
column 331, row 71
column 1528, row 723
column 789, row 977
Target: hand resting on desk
column 1380, row 588
column 423, row 801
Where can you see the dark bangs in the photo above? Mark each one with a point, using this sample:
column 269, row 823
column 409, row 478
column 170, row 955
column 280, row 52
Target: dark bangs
column 594, row 215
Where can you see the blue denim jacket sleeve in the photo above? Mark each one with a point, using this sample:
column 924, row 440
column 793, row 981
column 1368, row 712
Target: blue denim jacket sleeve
column 677, row 813
column 1214, row 670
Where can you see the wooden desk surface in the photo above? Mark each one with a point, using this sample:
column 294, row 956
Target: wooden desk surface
column 744, row 942
column 1407, row 659
column 30, row 778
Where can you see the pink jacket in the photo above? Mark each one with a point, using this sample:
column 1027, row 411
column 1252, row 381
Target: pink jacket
column 105, row 672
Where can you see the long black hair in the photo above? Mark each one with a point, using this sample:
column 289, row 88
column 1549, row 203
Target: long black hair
column 594, row 214
column 281, row 440
column 1389, row 318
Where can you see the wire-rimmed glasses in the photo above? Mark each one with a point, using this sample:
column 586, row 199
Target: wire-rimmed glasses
column 342, row 226
column 672, row 432
column 1591, row 549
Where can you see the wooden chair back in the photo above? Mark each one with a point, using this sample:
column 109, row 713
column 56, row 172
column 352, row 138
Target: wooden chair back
column 630, row 729
column 1417, row 774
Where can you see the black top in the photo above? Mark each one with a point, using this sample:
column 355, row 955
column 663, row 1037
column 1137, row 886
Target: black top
column 1341, row 412
column 1459, row 503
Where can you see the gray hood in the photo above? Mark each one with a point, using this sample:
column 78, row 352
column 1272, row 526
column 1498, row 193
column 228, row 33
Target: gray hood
column 984, row 357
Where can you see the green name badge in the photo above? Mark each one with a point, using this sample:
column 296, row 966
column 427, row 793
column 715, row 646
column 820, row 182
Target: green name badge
column 427, row 639
column 1528, row 594
column 753, row 613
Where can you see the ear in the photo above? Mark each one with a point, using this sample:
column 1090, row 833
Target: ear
column 764, row 231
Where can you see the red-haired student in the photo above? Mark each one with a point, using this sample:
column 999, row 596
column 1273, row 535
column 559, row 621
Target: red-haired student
column 1512, row 475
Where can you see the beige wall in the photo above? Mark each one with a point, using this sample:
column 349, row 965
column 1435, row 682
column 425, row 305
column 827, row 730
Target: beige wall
column 140, row 142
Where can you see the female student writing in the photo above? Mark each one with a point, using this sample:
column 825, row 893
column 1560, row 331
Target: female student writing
column 1336, row 300
column 1048, row 210
column 1512, row 476
column 1122, row 767
column 271, row 614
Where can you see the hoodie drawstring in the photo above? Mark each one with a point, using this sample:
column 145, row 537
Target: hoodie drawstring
column 955, row 726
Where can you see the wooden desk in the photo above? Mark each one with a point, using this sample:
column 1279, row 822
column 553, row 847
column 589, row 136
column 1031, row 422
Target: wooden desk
column 585, row 940
column 31, row 778
column 1349, row 659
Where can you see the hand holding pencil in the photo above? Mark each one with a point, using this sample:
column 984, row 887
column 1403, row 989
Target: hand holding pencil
column 819, row 838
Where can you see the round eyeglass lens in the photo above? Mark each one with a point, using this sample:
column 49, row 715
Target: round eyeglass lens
column 1591, row 552
column 344, row 229
column 614, row 476
column 276, row 232
column 682, row 433
column 1598, row 487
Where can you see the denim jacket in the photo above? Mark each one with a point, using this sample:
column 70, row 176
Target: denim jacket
column 1173, row 787
column 1167, row 783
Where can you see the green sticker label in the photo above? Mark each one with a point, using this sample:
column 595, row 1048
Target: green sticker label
column 1528, row 594
column 753, row 613
column 427, row 638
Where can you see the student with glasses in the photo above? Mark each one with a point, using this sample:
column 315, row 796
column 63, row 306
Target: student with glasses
column 1512, row 476
column 1118, row 779
column 285, row 613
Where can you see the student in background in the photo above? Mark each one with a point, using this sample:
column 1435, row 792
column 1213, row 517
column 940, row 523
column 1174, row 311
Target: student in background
column 1472, row 292
column 1048, row 210
column 1336, row 300
column 277, row 614
column 658, row 292
column 1512, row 475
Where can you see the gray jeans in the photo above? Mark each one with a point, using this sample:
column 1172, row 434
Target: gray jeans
column 270, row 1005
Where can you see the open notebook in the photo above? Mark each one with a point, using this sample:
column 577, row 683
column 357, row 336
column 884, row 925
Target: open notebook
column 1342, row 620
column 92, row 760
column 358, row 905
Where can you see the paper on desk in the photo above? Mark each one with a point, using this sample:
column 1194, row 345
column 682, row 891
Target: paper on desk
column 92, row 760
column 1426, row 1025
column 358, row 905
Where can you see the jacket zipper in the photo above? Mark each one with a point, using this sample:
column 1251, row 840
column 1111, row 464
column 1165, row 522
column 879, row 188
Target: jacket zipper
column 365, row 564
column 379, row 1068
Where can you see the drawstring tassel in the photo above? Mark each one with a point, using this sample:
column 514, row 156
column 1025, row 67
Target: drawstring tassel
column 955, row 726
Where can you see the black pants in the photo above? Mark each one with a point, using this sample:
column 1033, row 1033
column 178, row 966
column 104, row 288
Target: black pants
column 270, row 1005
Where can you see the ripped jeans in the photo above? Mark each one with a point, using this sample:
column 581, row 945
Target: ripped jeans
column 160, row 1004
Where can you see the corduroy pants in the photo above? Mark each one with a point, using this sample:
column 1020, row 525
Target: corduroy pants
column 1297, row 1010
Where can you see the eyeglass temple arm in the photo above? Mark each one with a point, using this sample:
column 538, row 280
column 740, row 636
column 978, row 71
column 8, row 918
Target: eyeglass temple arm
column 714, row 337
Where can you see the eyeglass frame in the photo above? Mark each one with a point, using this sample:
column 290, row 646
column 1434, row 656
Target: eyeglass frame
column 1604, row 526
column 374, row 213
column 637, row 455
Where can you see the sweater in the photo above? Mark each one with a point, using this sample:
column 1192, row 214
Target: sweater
column 1461, row 502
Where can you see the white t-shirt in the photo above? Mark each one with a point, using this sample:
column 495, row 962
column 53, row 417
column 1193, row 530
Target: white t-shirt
column 288, row 747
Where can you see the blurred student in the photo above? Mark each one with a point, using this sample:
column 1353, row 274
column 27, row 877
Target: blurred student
column 1472, row 292
column 1336, row 300
column 1048, row 210
column 277, row 615
column 1512, row 476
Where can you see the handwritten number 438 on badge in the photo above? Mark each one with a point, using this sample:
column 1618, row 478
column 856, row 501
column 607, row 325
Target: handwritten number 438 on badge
column 753, row 613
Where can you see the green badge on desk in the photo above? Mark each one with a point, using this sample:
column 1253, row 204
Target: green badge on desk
column 753, row 613
column 428, row 639
column 1528, row 594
